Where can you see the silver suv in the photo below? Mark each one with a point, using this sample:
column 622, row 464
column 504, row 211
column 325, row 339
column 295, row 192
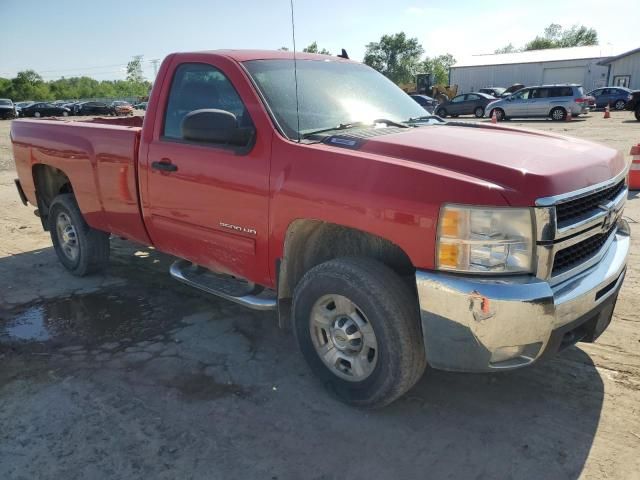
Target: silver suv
column 552, row 101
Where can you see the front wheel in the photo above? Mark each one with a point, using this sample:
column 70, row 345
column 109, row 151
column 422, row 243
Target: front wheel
column 500, row 116
column 479, row 112
column 80, row 248
column 638, row 113
column 441, row 112
column 358, row 326
column 37, row 114
column 619, row 105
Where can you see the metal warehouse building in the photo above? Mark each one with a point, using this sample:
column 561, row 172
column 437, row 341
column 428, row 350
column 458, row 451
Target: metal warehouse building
column 581, row 65
column 624, row 70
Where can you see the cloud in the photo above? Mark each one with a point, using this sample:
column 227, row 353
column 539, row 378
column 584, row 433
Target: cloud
column 413, row 10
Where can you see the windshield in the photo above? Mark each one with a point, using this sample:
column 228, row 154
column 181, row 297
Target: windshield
column 330, row 93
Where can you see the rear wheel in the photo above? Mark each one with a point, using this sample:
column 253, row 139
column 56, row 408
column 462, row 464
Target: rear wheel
column 479, row 112
column 65, row 113
column 558, row 113
column 638, row 113
column 80, row 248
column 619, row 105
column 37, row 115
column 441, row 112
column 358, row 326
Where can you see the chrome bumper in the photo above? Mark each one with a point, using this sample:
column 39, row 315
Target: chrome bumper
column 474, row 324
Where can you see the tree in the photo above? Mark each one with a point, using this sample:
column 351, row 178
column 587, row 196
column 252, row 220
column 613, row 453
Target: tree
column 134, row 70
column 507, row 49
column 555, row 37
column 28, row 85
column 313, row 48
column 284, row 49
column 439, row 67
column 395, row 56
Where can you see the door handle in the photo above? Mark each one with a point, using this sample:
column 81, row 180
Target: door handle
column 165, row 166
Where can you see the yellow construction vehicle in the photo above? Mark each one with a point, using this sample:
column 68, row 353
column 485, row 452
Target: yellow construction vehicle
column 424, row 84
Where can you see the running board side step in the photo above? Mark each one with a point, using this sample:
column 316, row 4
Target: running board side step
column 182, row 270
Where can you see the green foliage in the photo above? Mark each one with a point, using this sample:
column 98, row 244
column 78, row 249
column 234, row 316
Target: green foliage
column 507, row 49
column 395, row 56
column 313, row 48
column 555, row 37
column 134, row 70
column 28, row 85
column 439, row 67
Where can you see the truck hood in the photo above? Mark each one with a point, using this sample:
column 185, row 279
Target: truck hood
column 524, row 164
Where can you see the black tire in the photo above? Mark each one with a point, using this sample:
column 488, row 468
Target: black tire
column 500, row 116
column 620, row 104
column 93, row 245
column 479, row 112
column 441, row 112
column 558, row 114
column 392, row 311
column 638, row 113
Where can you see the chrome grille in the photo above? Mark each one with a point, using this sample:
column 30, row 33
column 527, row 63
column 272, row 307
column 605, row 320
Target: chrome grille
column 570, row 257
column 575, row 229
column 567, row 211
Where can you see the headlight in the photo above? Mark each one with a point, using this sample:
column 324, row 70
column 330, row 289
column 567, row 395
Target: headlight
column 490, row 240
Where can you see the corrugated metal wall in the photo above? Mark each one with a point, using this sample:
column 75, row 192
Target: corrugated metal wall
column 470, row 79
column 629, row 65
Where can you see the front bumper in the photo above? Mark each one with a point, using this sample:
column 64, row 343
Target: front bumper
column 475, row 324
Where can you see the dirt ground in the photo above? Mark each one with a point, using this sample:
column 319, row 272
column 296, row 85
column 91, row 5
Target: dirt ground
column 131, row 375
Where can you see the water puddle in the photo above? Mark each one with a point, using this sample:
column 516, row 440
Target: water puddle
column 83, row 317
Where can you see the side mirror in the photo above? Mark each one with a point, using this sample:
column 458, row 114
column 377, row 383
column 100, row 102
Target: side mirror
column 209, row 125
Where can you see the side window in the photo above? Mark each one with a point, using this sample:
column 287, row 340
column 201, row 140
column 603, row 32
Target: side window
column 473, row 97
column 597, row 93
column 196, row 86
column 523, row 94
column 458, row 99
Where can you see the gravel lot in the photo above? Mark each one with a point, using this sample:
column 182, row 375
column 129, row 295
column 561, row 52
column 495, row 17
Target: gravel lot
column 131, row 375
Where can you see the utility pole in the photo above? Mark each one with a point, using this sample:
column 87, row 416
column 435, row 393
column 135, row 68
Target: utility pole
column 155, row 62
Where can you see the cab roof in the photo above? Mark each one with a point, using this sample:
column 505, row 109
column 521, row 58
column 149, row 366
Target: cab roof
column 246, row 55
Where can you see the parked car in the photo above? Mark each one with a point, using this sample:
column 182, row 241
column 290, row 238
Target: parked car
column 634, row 103
column 20, row 105
column 465, row 104
column 426, row 102
column 122, row 108
column 386, row 243
column 73, row 107
column 544, row 101
column 493, row 91
column 95, row 108
column 141, row 105
column 44, row 109
column 7, row 109
column 615, row 97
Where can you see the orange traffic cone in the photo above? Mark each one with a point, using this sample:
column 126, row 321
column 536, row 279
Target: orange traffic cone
column 634, row 173
column 569, row 117
column 607, row 113
column 494, row 117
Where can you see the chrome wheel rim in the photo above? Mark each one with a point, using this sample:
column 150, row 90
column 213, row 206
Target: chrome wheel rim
column 343, row 338
column 37, row 114
column 67, row 236
column 498, row 114
column 557, row 114
column 479, row 112
column 619, row 105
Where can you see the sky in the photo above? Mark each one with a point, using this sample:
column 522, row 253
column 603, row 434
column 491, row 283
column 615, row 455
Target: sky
column 87, row 37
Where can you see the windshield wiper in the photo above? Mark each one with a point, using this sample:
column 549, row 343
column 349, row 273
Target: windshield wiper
column 423, row 118
column 346, row 126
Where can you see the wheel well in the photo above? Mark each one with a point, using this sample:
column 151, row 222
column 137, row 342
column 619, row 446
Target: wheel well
column 311, row 242
column 49, row 182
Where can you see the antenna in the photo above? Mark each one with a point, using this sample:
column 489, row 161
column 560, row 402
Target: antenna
column 295, row 68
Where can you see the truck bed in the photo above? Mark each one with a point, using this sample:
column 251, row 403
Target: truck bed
column 98, row 156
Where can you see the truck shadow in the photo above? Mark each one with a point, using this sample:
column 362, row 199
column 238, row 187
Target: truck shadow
column 534, row 423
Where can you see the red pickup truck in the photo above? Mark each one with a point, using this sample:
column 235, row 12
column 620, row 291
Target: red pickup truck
column 387, row 239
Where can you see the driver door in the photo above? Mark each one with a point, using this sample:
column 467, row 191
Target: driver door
column 207, row 202
column 518, row 106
